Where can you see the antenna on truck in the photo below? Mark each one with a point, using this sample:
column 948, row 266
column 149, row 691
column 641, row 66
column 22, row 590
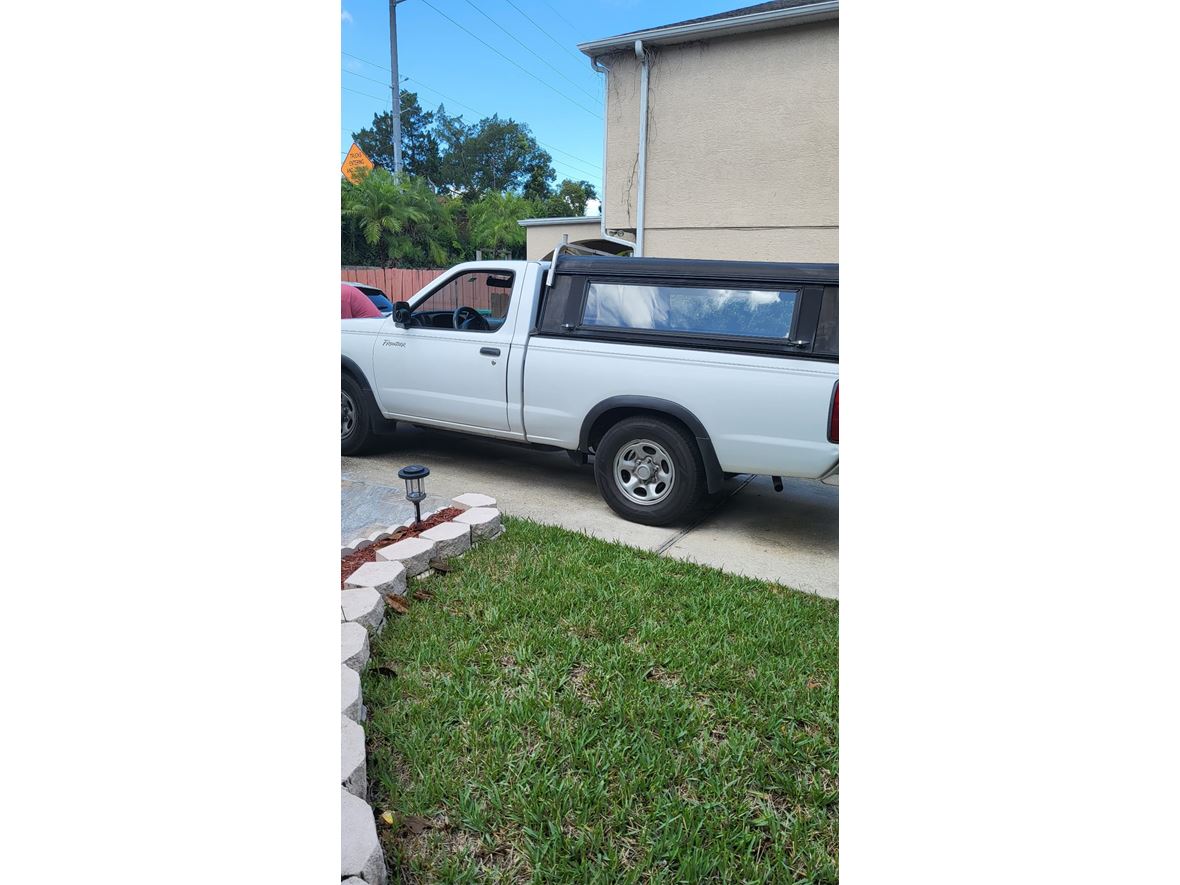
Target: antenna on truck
column 565, row 238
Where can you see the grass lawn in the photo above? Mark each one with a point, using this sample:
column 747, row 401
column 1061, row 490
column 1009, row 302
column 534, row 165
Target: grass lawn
column 569, row 710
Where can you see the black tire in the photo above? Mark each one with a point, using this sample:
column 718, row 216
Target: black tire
column 356, row 435
column 670, row 445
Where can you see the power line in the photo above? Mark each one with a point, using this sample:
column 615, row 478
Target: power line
column 449, row 98
column 366, row 61
column 579, row 56
column 511, row 62
column 368, row 95
column 573, row 27
column 531, row 50
column 388, row 101
column 363, row 77
column 577, row 175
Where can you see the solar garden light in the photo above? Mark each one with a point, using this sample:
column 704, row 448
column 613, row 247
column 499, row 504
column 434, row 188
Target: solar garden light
column 413, row 475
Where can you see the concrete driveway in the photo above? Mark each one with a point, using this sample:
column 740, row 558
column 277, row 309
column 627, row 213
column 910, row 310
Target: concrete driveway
column 789, row 537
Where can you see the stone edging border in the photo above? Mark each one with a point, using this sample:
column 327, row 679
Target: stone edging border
column 362, row 613
column 470, row 501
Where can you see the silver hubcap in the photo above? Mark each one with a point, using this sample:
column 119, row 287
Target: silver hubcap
column 644, row 472
column 347, row 414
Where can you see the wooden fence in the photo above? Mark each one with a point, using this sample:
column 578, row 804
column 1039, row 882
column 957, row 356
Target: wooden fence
column 400, row 283
column 396, row 282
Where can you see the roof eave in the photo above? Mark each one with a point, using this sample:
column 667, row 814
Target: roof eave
column 572, row 219
column 758, row 21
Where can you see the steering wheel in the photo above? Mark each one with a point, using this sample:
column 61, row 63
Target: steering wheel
column 469, row 318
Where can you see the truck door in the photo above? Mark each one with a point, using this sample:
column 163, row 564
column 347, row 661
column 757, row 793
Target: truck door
column 451, row 364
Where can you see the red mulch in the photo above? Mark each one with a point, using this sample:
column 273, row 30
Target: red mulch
column 353, row 561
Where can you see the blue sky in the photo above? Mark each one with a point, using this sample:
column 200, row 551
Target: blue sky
column 451, row 67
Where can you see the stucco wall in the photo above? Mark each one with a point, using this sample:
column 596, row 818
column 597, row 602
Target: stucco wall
column 743, row 146
column 541, row 239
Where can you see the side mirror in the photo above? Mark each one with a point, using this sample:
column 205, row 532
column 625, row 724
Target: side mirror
column 401, row 314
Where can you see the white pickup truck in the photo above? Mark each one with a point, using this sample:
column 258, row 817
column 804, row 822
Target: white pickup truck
column 672, row 373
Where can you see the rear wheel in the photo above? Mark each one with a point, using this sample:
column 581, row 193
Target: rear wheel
column 649, row 471
column 356, row 435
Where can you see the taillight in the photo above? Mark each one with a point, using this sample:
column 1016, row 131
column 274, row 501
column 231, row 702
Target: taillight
column 834, row 419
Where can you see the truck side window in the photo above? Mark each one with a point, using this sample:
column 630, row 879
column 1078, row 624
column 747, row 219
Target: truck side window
column 481, row 299
column 827, row 333
column 750, row 313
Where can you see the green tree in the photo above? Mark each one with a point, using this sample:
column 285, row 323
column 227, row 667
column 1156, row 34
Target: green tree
column 400, row 218
column 493, row 222
column 353, row 247
column 509, row 159
column 457, row 157
column 457, row 163
column 464, row 188
column 420, row 148
column 569, row 200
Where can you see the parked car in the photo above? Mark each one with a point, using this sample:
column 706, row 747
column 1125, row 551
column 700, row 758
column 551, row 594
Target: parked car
column 670, row 373
column 379, row 299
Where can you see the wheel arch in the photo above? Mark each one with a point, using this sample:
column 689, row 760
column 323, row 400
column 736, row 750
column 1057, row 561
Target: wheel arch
column 377, row 422
column 349, row 367
column 614, row 409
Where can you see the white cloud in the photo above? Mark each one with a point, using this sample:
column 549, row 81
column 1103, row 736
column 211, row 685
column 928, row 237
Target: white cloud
column 752, row 298
column 345, row 16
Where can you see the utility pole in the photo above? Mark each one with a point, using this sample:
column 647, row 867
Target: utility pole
column 396, row 86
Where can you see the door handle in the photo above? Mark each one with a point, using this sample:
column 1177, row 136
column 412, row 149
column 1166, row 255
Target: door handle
column 490, row 351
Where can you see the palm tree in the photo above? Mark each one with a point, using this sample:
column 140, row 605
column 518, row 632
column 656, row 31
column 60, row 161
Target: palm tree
column 402, row 213
column 379, row 206
column 494, row 221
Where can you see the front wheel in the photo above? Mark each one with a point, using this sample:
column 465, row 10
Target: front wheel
column 356, row 435
column 649, row 471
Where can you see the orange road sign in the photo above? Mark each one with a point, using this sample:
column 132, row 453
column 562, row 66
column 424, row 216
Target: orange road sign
column 356, row 164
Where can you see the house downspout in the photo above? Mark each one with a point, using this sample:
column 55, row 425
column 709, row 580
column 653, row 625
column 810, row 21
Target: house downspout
column 640, row 197
column 605, row 71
